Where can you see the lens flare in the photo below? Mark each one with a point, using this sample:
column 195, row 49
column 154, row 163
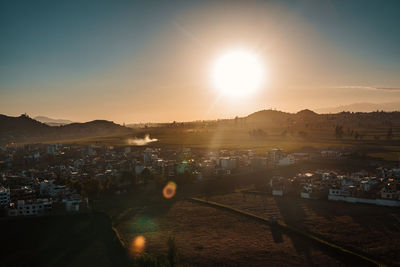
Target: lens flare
column 138, row 245
column 169, row 190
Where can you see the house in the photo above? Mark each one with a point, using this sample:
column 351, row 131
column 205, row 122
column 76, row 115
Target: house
column 277, row 192
column 338, row 192
column 286, row 161
column 75, row 203
column 277, row 186
column 389, row 193
column 258, row 163
column 274, row 155
column 300, row 156
column 228, row 163
column 51, row 189
column 4, row 196
column 365, row 185
column 330, row 154
column 33, row 207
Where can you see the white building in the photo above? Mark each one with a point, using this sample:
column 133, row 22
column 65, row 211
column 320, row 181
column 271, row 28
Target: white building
column 52, row 189
column 228, row 163
column 286, row 161
column 34, row 208
column 338, row 192
column 4, row 197
column 75, row 203
column 274, row 155
column 330, row 154
column 277, row 192
column 365, row 185
column 51, row 149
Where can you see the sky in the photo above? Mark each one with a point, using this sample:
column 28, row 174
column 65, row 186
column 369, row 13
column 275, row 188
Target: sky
column 151, row 61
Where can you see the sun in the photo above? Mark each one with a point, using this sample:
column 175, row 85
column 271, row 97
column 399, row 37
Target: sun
column 238, row 73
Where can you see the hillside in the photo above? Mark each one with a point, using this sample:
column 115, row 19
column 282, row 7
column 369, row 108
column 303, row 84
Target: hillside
column 26, row 129
column 310, row 118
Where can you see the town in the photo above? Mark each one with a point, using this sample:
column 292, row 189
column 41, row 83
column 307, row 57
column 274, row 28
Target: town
column 44, row 179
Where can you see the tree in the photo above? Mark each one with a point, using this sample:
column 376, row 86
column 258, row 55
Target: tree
column 172, row 251
column 339, row 132
column 389, row 134
column 146, row 174
column 92, row 188
column 110, row 186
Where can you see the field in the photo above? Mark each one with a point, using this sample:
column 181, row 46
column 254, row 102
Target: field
column 369, row 229
column 209, row 237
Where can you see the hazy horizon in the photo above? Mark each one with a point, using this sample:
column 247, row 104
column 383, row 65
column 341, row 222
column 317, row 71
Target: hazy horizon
column 137, row 62
column 355, row 107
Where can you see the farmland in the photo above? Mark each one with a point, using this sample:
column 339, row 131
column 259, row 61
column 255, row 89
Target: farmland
column 361, row 228
column 207, row 236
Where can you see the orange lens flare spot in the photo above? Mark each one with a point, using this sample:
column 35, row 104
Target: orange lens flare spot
column 169, row 190
column 138, row 244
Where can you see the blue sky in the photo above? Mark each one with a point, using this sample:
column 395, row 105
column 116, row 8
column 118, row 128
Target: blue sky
column 146, row 60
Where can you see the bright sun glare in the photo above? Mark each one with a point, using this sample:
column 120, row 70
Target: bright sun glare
column 238, row 73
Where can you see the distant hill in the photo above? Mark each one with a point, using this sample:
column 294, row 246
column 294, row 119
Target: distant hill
column 52, row 122
column 362, row 107
column 26, row 129
column 274, row 118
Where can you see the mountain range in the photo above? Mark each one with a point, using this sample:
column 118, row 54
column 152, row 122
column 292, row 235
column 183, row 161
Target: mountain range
column 26, row 129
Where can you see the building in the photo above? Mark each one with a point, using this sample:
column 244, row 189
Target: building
column 228, row 163
column 51, row 189
column 51, row 149
column 330, row 154
column 286, row 161
column 300, row 156
column 34, row 208
column 389, row 193
column 274, row 155
column 338, row 192
column 75, row 203
column 4, row 197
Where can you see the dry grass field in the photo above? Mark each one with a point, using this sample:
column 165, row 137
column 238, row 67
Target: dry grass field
column 206, row 236
column 370, row 229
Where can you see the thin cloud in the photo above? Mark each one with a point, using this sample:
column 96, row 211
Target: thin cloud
column 393, row 89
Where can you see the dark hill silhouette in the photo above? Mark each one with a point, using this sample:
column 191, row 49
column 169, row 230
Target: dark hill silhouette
column 26, row 129
column 268, row 116
column 275, row 118
column 306, row 113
